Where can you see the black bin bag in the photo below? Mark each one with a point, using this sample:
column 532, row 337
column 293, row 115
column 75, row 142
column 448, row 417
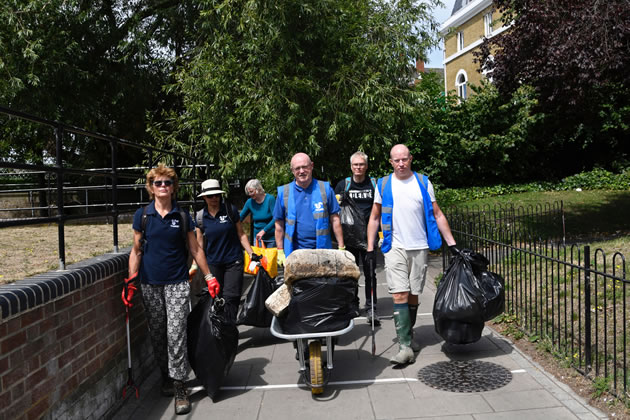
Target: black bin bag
column 353, row 223
column 212, row 343
column 459, row 307
column 320, row 304
column 492, row 285
column 253, row 311
column 494, row 291
column 467, row 296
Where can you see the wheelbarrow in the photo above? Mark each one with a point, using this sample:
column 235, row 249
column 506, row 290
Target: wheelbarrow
column 315, row 373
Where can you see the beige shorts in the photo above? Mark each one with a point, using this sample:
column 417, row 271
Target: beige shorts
column 406, row 271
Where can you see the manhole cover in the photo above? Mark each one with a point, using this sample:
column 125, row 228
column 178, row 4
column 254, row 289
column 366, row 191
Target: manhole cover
column 465, row 376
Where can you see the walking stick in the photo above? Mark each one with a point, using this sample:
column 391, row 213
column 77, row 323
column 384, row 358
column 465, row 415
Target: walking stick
column 371, row 268
column 130, row 383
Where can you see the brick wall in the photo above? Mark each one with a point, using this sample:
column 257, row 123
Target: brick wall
column 63, row 348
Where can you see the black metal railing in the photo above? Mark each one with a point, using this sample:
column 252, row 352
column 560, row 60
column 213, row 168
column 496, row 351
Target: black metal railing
column 573, row 301
column 539, row 221
column 58, row 179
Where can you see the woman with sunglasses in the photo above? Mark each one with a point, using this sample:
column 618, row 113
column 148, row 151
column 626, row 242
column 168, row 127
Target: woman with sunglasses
column 159, row 258
column 219, row 227
column 260, row 205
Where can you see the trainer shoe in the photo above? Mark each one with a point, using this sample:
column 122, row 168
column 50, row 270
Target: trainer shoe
column 369, row 314
column 182, row 403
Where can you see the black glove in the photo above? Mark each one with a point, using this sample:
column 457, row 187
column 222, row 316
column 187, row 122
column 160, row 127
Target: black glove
column 370, row 259
column 454, row 251
column 256, row 257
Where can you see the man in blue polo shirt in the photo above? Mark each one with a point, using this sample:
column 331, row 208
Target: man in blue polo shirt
column 305, row 211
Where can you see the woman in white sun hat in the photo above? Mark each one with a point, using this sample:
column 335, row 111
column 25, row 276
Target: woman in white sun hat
column 220, row 225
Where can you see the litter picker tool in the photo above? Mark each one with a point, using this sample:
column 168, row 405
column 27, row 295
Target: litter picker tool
column 130, row 382
column 127, row 295
column 371, row 268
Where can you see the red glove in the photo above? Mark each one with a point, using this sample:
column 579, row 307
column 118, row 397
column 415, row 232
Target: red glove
column 213, row 286
column 129, row 288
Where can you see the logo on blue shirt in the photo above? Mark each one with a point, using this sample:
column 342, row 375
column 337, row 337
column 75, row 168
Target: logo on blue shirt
column 319, row 206
column 223, row 219
column 175, row 223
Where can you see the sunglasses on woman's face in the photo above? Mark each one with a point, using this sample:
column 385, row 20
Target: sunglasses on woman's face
column 166, row 183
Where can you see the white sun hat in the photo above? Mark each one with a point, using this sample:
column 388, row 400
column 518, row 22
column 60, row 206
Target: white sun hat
column 210, row 187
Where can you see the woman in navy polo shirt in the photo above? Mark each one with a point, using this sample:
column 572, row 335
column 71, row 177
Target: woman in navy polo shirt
column 224, row 242
column 159, row 257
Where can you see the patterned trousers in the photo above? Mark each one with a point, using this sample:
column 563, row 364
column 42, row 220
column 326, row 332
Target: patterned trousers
column 166, row 307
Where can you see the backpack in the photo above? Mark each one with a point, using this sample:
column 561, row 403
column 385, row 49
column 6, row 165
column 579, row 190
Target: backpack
column 183, row 227
column 347, row 186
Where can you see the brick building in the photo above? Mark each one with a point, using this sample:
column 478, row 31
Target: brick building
column 470, row 22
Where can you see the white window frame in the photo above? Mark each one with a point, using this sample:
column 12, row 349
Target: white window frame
column 462, row 87
column 487, row 24
column 460, row 40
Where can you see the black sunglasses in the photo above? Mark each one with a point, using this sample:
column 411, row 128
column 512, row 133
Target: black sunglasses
column 166, row 183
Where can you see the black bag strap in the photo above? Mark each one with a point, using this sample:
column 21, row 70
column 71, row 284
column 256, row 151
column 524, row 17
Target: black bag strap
column 143, row 227
column 183, row 226
column 199, row 220
column 229, row 208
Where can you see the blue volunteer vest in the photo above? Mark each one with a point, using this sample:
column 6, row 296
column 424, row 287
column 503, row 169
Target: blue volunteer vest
column 322, row 232
column 385, row 189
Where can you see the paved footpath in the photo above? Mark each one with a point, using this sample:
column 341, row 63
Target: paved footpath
column 264, row 382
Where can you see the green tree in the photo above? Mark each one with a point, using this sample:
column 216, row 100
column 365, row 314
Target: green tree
column 99, row 65
column 481, row 141
column 272, row 78
column 575, row 54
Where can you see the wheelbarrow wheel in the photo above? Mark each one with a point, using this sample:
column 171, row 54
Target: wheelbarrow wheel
column 315, row 362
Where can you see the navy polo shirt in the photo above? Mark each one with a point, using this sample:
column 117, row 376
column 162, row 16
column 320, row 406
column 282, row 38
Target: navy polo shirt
column 165, row 256
column 305, row 225
column 223, row 245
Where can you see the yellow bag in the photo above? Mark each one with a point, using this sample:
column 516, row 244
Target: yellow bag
column 269, row 260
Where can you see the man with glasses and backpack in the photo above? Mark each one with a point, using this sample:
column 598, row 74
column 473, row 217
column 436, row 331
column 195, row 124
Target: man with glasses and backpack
column 360, row 189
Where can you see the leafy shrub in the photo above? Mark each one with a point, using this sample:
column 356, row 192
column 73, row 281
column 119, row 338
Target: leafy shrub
column 597, row 179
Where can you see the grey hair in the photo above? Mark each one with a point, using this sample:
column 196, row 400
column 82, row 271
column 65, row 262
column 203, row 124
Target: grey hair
column 254, row 184
column 359, row 154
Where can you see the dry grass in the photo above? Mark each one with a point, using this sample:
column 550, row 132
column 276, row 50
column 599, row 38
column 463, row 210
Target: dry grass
column 29, row 250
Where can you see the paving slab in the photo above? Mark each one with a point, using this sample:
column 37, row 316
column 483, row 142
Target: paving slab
column 264, row 382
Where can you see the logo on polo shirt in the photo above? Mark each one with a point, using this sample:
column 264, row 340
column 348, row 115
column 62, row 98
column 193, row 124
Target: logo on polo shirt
column 175, row 223
column 319, row 206
column 223, row 219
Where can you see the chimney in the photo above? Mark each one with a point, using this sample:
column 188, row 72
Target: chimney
column 420, row 66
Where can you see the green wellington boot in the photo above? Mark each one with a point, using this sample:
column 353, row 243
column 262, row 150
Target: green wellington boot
column 403, row 327
column 413, row 313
